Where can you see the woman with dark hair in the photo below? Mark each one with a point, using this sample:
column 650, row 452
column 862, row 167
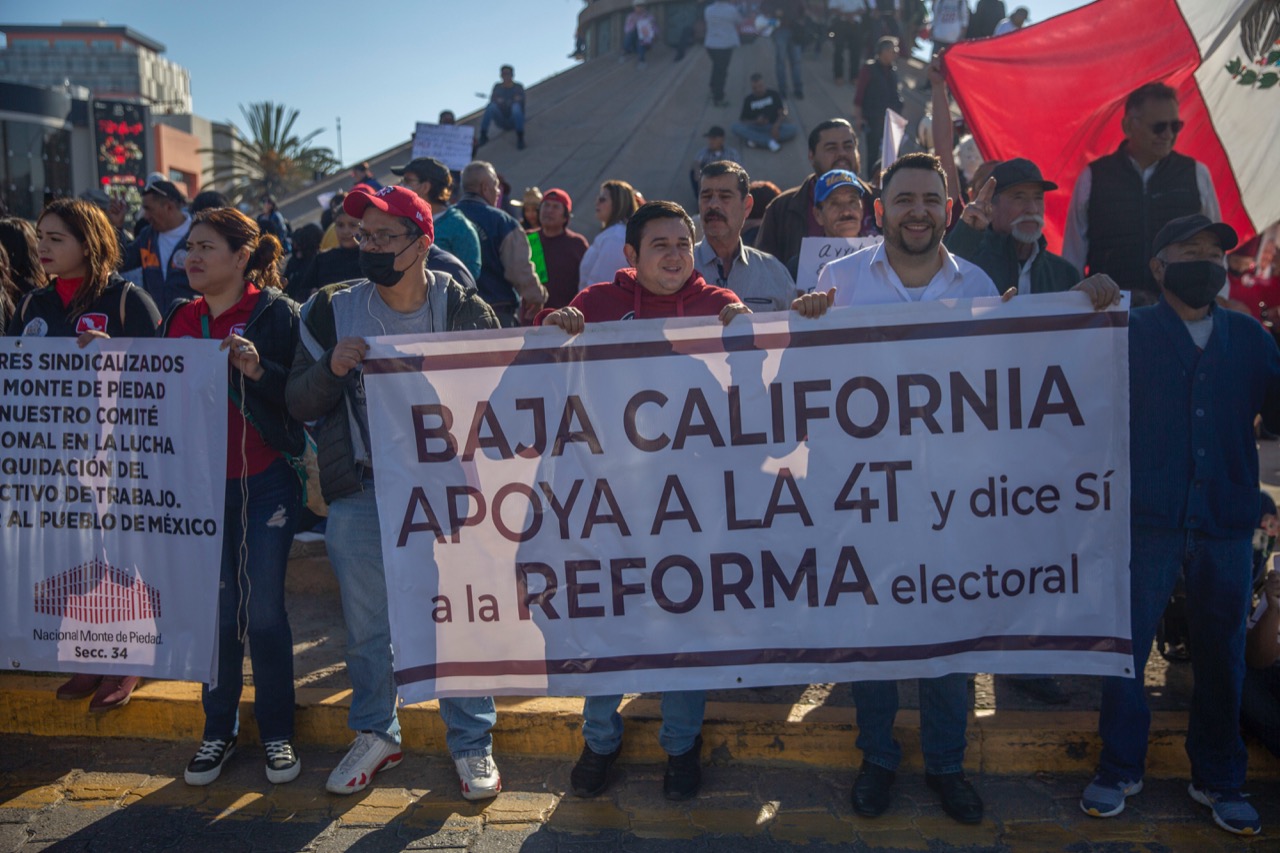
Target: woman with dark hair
column 78, row 251
column 617, row 201
column 8, row 291
column 306, row 245
column 232, row 265
column 18, row 237
column 341, row 263
column 271, row 221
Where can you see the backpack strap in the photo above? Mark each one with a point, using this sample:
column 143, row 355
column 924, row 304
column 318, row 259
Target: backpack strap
column 22, row 309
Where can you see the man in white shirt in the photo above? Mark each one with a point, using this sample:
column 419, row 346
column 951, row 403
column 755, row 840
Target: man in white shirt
column 911, row 265
column 722, row 19
column 158, row 249
column 724, row 204
column 1013, row 23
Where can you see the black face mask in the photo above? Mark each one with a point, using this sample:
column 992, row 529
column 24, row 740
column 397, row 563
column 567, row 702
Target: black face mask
column 1196, row 283
column 380, row 267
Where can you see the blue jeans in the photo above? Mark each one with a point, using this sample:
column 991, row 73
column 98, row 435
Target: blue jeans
column 251, row 602
column 354, row 540
column 631, row 44
column 944, row 715
column 785, row 50
column 513, row 120
column 760, row 134
column 1218, row 575
column 682, row 712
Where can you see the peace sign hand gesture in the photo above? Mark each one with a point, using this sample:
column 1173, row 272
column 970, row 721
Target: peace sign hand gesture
column 977, row 214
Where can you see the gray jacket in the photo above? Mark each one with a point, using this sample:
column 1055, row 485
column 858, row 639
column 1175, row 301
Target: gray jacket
column 325, row 401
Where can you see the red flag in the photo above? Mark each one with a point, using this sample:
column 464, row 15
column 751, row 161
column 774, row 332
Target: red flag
column 1054, row 93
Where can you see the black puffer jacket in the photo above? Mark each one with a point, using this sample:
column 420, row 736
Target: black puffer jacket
column 273, row 328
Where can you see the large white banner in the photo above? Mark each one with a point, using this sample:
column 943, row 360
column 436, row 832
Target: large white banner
column 887, row 492
column 112, row 473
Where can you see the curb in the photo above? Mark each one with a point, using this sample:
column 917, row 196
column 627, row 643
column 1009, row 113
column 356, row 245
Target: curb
column 1003, row 742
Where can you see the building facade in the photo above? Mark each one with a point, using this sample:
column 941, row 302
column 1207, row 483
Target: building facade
column 112, row 62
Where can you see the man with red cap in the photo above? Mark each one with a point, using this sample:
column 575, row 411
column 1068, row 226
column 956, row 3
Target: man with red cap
column 559, row 248
column 398, row 295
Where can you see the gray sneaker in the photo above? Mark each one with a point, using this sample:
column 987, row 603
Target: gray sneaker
column 1105, row 795
column 1231, row 810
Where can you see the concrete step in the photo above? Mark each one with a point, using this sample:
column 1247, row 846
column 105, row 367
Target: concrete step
column 765, row 734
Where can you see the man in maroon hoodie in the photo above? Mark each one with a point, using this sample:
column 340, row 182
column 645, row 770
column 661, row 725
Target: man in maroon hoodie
column 661, row 282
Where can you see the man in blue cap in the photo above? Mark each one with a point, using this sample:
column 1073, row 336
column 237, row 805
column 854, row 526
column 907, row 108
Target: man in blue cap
column 1199, row 374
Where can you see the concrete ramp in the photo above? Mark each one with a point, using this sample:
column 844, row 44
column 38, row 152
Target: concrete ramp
column 606, row 119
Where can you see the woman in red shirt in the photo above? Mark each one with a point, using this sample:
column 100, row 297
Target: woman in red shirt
column 233, row 266
column 84, row 298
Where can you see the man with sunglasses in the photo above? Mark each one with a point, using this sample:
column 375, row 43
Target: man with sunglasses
column 1123, row 199
column 399, row 295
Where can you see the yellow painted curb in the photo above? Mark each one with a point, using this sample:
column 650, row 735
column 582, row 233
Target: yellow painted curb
column 1003, row 742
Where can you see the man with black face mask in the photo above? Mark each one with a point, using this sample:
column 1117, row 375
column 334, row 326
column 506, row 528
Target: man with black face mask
column 399, row 295
column 1198, row 374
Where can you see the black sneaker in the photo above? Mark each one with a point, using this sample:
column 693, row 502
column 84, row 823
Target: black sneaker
column 684, row 773
column 959, row 799
column 871, row 790
column 282, row 762
column 590, row 776
column 208, row 761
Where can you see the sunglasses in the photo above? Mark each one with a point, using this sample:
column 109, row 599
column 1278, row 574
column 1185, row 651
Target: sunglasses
column 1161, row 126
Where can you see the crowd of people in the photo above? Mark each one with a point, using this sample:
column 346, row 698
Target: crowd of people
column 439, row 252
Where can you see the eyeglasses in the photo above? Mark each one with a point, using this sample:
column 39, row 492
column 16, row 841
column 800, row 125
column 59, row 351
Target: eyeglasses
column 378, row 238
column 1161, row 126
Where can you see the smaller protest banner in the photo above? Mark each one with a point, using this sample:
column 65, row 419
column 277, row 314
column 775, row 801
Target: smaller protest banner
column 112, row 476
column 448, row 143
column 817, row 252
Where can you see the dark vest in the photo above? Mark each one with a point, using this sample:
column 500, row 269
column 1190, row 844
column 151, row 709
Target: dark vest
column 881, row 93
column 493, row 226
column 1124, row 218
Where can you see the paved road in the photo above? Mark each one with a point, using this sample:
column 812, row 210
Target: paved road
column 120, row 795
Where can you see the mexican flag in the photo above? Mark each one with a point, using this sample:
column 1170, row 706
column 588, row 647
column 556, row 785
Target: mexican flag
column 1054, row 93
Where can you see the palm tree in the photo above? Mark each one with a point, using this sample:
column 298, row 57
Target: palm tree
column 271, row 160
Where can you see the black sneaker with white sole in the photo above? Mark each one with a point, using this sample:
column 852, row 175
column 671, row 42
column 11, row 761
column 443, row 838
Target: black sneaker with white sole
column 282, row 762
column 208, row 761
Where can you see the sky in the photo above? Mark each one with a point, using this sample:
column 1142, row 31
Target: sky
column 379, row 67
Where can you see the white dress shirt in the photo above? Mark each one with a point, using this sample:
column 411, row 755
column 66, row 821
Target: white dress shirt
column 867, row 278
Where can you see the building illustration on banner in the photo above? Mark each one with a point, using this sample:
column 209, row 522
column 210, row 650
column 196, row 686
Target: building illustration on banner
column 97, row 593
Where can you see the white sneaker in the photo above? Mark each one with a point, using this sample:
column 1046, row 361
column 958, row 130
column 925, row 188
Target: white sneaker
column 479, row 777
column 774, row 146
column 368, row 755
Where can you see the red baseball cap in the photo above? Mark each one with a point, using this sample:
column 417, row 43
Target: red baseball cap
column 396, row 201
column 560, row 196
